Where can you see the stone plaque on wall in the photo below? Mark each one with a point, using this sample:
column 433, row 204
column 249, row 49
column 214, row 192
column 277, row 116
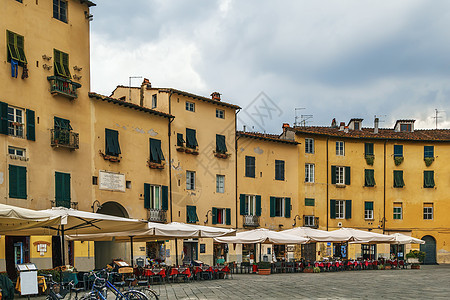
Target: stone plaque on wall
column 111, row 181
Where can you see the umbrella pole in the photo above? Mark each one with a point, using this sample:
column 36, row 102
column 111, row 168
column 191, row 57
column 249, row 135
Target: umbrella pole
column 176, row 251
column 131, row 249
column 260, row 251
column 63, row 256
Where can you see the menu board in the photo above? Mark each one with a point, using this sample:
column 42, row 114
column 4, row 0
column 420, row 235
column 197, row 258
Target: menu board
column 111, row 181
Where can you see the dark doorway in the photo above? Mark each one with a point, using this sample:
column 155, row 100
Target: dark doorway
column 398, row 251
column 369, row 251
column 309, row 252
column 280, row 252
column 190, row 251
column 17, row 251
column 430, row 250
column 56, row 251
column 340, row 250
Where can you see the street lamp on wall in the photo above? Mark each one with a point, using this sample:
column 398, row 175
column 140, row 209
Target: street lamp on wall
column 209, row 211
column 96, row 206
column 295, row 220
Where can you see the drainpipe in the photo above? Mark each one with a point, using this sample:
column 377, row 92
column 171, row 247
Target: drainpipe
column 384, row 189
column 328, row 201
column 170, row 173
column 236, row 166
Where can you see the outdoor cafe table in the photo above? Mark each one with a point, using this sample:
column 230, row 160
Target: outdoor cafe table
column 155, row 272
column 204, row 270
column 180, row 270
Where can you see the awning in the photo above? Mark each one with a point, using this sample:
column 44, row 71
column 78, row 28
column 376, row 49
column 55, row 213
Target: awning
column 13, row 218
column 316, row 235
column 402, row 239
column 357, row 236
column 262, row 236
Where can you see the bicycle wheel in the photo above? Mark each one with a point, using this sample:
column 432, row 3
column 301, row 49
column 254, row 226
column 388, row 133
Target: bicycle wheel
column 89, row 296
column 134, row 295
column 151, row 294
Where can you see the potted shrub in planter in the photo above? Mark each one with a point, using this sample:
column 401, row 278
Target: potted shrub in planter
column 264, row 268
column 316, row 270
column 308, row 269
column 380, row 267
column 415, row 257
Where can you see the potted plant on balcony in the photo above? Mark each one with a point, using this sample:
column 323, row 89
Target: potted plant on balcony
column 428, row 161
column 370, row 159
column 398, row 160
column 264, row 268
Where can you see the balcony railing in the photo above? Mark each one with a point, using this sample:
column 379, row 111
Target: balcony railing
column 311, row 222
column 251, row 221
column 64, row 138
column 63, row 86
column 157, row 215
column 64, row 203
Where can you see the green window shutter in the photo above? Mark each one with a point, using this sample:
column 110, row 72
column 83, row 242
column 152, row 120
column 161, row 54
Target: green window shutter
column 165, row 197
column 59, row 70
column 13, row 184
column 112, row 142
column 66, row 192
column 348, row 209
column 333, row 174
column 58, row 186
column 428, row 151
column 191, row 214
column 309, row 202
column 156, row 154
column 398, row 150
column 62, row 189
column 428, row 179
column 242, row 204
column 369, row 177
column 15, row 45
column 17, row 182
column 146, row 195
column 191, row 140
column 3, row 118
column 368, row 149
column 221, row 146
column 287, row 207
column 368, row 205
column 250, row 166
column 258, row 205
column 214, row 215
column 332, row 209
column 20, row 43
column 347, row 175
column 31, row 131
column 228, row 216
column 180, row 140
column 272, row 207
column 398, row 179
column 65, row 64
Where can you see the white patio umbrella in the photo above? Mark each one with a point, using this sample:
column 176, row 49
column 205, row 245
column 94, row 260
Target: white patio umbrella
column 356, row 236
column 402, row 239
column 315, row 235
column 262, row 236
column 13, row 218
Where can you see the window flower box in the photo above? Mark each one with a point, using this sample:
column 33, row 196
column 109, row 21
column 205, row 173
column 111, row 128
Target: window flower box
column 110, row 157
column 222, row 155
column 155, row 165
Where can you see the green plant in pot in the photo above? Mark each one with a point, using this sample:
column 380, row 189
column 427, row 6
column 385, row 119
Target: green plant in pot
column 370, row 159
column 414, row 256
column 398, row 160
column 264, row 267
column 316, row 270
column 308, row 269
column 428, row 161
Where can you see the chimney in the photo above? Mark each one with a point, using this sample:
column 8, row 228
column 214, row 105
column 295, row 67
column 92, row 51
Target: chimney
column 341, row 126
column 215, row 96
column 346, row 129
column 147, row 83
column 375, row 125
column 285, row 126
column 244, row 128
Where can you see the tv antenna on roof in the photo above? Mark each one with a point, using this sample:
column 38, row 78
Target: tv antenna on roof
column 296, row 116
column 436, row 116
column 129, row 85
column 305, row 119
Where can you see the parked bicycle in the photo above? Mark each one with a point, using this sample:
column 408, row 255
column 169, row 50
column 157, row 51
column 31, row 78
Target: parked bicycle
column 102, row 285
column 59, row 290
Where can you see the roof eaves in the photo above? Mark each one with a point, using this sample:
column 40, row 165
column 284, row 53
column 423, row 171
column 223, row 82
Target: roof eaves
column 260, row 136
column 220, row 103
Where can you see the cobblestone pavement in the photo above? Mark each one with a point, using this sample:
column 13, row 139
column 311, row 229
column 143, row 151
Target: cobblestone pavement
column 430, row 282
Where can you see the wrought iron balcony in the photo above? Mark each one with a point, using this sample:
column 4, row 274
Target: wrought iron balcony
column 157, row 215
column 63, row 87
column 251, row 221
column 64, row 138
column 64, row 203
column 310, row 221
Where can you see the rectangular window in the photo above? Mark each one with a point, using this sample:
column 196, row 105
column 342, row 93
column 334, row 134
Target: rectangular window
column 60, row 10
column 340, row 175
column 309, row 202
column 155, row 197
column 309, row 172
column 428, row 211
column 17, row 182
column 220, row 183
column 62, row 189
column 190, row 106
column 309, row 146
column 61, row 64
column 180, row 140
column 405, row 127
column 154, row 101
column 428, row 179
column 340, row 209
column 221, row 146
column 220, row 216
column 340, row 149
column 16, row 46
column 428, row 151
column 398, row 150
column 156, row 154
column 368, row 149
column 369, row 177
column 368, row 210
column 279, row 207
column 62, row 131
column 309, row 221
column 112, row 146
column 398, row 211
column 190, row 180
column 191, row 214
column 220, row 113
column 250, row 205
column 17, row 152
column 398, row 179
column 191, row 139
column 279, row 169
column 15, row 122
column 250, row 166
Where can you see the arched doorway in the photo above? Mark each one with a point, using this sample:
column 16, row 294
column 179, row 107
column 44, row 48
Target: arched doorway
column 430, row 250
column 105, row 252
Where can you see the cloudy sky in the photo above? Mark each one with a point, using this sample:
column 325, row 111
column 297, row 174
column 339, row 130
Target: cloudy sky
column 334, row 58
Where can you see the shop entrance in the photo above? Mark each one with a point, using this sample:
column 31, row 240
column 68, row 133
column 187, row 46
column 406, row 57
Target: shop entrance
column 369, row 251
column 398, row 252
column 17, row 248
column 309, row 252
column 280, row 252
column 220, row 253
column 430, row 250
column 248, row 253
column 340, row 250
column 156, row 251
column 190, row 251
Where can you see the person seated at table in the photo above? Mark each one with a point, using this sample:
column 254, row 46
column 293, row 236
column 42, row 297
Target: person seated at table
column 221, row 261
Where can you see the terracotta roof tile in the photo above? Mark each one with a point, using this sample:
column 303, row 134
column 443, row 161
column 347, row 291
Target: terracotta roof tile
column 265, row 136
